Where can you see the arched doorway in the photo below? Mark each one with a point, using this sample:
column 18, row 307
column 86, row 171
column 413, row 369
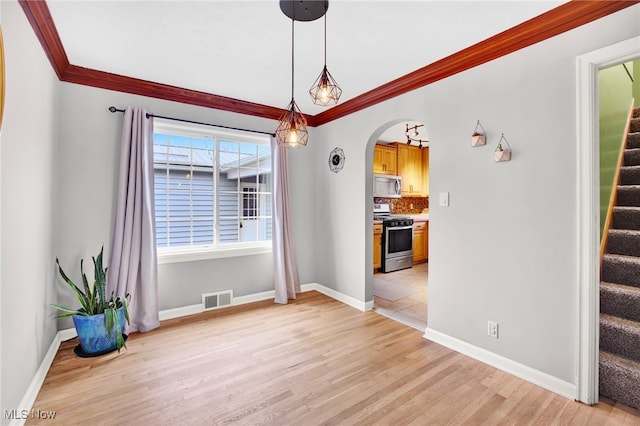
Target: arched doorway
column 399, row 294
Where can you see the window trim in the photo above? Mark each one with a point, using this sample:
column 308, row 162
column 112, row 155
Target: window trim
column 195, row 253
column 205, row 252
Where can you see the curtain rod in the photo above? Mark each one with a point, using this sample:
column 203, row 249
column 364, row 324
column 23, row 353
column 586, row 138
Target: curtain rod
column 114, row 110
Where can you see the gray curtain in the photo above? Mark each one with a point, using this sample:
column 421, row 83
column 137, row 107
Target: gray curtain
column 133, row 260
column 285, row 267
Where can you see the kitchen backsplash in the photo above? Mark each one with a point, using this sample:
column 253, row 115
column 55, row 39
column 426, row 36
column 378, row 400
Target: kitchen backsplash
column 405, row 205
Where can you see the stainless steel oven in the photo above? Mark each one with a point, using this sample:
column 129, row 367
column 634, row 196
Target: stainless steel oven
column 397, row 239
column 397, row 244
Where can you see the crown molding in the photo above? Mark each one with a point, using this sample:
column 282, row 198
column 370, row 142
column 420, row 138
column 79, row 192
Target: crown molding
column 39, row 17
column 549, row 24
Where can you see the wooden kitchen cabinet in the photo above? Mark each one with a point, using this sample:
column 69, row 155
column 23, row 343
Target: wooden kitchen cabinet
column 420, row 242
column 377, row 246
column 385, row 159
column 425, row 171
column 410, row 169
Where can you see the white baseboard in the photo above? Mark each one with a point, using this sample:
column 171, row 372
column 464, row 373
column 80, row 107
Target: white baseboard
column 266, row 295
column 537, row 377
column 36, row 383
column 66, row 334
column 255, row 297
column 182, row 311
column 341, row 297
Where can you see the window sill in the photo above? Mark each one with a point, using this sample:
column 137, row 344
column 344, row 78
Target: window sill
column 190, row 254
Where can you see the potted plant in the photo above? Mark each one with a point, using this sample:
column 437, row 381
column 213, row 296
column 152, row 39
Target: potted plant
column 478, row 139
column 99, row 321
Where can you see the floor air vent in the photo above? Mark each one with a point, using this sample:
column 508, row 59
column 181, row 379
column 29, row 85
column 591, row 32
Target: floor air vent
column 218, row 299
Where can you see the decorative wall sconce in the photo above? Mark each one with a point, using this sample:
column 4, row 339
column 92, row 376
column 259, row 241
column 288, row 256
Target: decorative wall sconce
column 478, row 138
column 503, row 150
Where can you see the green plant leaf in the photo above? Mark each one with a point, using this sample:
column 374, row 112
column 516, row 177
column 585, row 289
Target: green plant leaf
column 82, row 298
column 90, row 306
column 101, row 278
column 108, row 319
column 68, row 312
column 125, row 308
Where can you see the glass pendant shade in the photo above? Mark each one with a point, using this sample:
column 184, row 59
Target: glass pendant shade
column 292, row 130
column 325, row 90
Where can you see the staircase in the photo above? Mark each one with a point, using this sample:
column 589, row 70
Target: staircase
column 620, row 284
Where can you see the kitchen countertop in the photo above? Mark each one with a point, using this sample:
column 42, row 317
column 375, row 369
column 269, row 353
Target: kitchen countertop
column 421, row 217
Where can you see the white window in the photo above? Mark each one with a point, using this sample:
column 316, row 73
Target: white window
column 212, row 192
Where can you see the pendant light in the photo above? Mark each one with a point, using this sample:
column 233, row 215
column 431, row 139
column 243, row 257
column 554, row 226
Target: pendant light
column 292, row 130
column 325, row 90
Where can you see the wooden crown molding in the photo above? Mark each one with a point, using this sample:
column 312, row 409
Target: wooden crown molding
column 40, row 19
column 552, row 23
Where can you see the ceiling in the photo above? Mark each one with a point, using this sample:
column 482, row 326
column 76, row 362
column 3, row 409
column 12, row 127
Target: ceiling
column 242, row 49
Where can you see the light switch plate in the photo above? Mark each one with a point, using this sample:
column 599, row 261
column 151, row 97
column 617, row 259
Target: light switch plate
column 444, row 199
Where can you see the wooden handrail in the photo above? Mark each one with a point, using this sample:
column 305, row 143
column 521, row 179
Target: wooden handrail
column 616, row 181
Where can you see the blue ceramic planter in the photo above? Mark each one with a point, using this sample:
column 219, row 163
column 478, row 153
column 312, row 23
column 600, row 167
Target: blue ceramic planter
column 93, row 333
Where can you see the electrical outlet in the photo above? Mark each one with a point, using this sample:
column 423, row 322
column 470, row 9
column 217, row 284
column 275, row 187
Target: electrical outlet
column 492, row 330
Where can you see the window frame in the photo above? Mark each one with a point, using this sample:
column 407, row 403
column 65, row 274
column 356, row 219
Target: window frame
column 206, row 251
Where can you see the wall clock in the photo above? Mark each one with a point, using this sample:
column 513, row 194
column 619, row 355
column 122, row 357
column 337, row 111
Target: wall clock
column 336, row 160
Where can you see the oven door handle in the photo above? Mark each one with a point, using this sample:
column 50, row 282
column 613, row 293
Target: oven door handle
column 399, row 228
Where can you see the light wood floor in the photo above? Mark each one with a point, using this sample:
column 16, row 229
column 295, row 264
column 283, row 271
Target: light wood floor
column 311, row 362
column 410, row 310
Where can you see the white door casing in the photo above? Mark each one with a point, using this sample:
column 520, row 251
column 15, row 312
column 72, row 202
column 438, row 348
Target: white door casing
column 588, row 220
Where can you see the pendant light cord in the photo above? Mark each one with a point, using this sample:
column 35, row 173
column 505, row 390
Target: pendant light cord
column 325, row 37
column 292, row 53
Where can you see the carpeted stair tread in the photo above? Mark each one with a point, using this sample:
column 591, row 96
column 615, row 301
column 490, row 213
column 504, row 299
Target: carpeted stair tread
column 628, row 195
column 620, row 300
column 635, row 125
column 620, row 269
column 623, row 241
column 630, row 175
column 620, row 336
column 619, row 379
column 626, row 218
column 636, row 112
column 632, row 157
column 633, row 140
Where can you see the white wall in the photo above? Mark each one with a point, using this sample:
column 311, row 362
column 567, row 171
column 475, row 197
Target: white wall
column 27, row 263
column 505, row 249
column 85, row 195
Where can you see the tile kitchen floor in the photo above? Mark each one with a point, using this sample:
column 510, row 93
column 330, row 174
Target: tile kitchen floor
column 410, row 310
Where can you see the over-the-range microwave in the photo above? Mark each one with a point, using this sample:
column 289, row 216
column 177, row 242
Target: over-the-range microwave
column 387, row 186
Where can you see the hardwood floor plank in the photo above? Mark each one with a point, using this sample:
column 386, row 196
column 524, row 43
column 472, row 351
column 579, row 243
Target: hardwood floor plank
column 312, row 362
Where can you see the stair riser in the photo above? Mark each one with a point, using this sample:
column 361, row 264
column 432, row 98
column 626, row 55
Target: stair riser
column 626, row 219
column 620, row 341
column 628, row 196
column 632, row 157
column 635, row 125
column 630, row 175
column 622, row 304
column 633, row 140
column 625, row 243
column 621, row 272
column 619, row 384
